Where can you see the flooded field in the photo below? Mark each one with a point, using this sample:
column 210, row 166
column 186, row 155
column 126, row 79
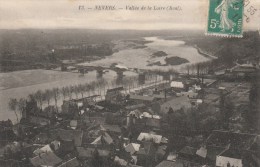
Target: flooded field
column 22, row 83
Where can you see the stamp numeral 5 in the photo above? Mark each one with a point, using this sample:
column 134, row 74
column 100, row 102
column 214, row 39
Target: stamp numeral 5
column 213, row 23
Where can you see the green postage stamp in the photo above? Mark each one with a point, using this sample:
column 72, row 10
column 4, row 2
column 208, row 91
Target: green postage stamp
column 225, row 18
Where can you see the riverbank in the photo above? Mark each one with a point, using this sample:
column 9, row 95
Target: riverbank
column 200, row 51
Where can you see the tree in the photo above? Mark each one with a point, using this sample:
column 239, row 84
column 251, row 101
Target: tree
column 75, row 90
column 56, row 95
column 48, row 95
column 21, row 104
column 252, row 116
column 70, row 91
column 39, row 97
column 64, row 92
column 82, row 90
column 13, row 106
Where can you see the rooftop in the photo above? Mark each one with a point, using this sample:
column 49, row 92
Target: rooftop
column 242, row 141
column 166, row 163
column 45, row 159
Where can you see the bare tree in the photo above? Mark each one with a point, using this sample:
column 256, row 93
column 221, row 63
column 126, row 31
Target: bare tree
column 21, row 104
column 56, row 95
column 39, row 97
column 64, row 92
column 48, row 95
column 70, row 91
column 81, row 89
column 75, row 90
column 13, row 106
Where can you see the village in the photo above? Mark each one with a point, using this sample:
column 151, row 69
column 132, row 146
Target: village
column 181, row 121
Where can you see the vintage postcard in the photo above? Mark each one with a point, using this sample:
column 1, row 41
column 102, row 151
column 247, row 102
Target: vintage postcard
column 129, row 83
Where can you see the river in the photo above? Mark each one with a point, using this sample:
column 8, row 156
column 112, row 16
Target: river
column 22, row 83
column 141, row 58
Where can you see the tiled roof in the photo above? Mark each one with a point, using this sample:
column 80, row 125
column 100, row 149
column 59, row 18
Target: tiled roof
column 70, row 163
column 69, row 135
column 143, row 98
column 166, row 163
column 188, row 150
column 45, row 159
column 132, row 148
column 105, row 138
column 87, row 152
column 241, row 141
column 149, row 137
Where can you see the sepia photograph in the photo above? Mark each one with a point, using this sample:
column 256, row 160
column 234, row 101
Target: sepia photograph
column 129, row 83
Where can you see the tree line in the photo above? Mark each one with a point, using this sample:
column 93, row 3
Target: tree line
column 45, row 97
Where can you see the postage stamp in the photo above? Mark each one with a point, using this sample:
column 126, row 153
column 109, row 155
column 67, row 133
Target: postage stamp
column 225, row 18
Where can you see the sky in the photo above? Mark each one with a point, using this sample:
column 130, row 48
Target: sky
column 16, row 14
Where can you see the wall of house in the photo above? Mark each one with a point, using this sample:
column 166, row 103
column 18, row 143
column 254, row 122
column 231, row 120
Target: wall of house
column 222, row 161
column 39, row 120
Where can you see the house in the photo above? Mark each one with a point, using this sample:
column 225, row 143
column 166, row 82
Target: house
column 153, row 122
column 188, row 153
column 177, row 85
column 11, row 163
column 14, row 149
column 209, row 82
column 114, row 95
column 209, row 153
column 146, row 154
column 224, row 147
column 45, row 159
column 135, row 106
column 150, row 137
column 132, row 148
column 87, row 153
column 43, row 149
column 160, row 152
column 103, row 139
column 68, row 135
column 141, row 99
column 241, row 71
column 167, row 163
column 112, row 128
column 70, row 163
column 174, row 104
column 172, row 156
column 229, row 158
column 41, row 138
column 40, row 120
column 71, row 107
column 243, row 141
column 120, row 161
column 189, row 94
column 145, row 118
